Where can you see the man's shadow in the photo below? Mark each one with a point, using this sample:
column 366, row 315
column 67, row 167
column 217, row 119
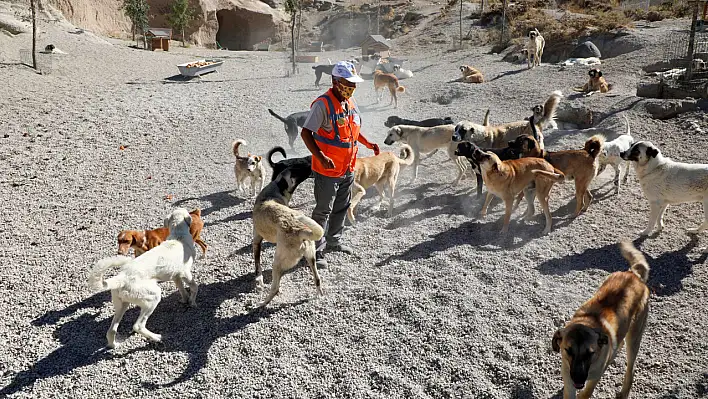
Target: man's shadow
column 188, row 330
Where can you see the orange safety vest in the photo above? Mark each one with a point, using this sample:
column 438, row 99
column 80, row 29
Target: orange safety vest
column 340, row 144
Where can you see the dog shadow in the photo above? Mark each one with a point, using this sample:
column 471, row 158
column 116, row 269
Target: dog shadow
column 218, row 201
column 667, row 270
column 307, row 90
column 508, row 73
column 83, row 339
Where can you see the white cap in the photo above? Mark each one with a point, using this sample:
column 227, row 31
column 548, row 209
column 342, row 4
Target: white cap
column 344, row 69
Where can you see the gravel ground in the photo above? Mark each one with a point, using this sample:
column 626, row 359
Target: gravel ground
column 434, row 303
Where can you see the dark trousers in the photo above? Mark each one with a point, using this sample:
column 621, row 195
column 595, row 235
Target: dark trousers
column 332, row 197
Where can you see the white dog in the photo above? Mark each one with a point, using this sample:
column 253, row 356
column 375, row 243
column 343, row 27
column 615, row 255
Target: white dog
column 137, row 280
column 248, row 167
column 666, row 182
column 534, row 48
column 425, row 140
column 610, row 155
column 581, row 61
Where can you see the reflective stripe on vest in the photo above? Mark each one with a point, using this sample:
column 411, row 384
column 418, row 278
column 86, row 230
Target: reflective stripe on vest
column 333, row 118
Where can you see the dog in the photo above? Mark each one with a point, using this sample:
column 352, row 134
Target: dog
column 248, row 167
column 579, row 165
column 499, row 136
column 383, row 80
column 292, row 123
column 534, row 48
column 466, row 149
column 610, row 155
column 590, row 61
column 327, row 70
column 137, row 281
column 293, row 233
column 432, row 122
column 380, row 171
column 471, row 75
column 425, row 140
column 595, row 84
column 144, row 240
column 666, row 182
column 616, row 315
column 304, row 163
column 507, row 179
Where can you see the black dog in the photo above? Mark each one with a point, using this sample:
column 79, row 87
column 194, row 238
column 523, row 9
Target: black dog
column 299, row 164
column 394, row 120
column 319, row 70
column 292, row 123
column 466, row 149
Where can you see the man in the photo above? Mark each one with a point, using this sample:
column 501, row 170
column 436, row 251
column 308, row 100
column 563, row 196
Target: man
column 331, row 133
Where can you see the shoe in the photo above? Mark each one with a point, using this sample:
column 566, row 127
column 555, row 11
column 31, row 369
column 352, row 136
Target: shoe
column 340, row 248
column 320, row 261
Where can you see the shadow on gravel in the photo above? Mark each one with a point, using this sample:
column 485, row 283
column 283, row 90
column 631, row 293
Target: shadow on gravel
column 701, row 386
column 218, row 201
column 508, row 73
column 183, row 329
column 667, row 270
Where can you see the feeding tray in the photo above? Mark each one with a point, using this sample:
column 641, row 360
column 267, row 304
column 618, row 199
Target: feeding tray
column 199, row 67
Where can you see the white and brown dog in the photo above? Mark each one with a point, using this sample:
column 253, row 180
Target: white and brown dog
column 596, row 84
column 248, row 167
column 534, row 48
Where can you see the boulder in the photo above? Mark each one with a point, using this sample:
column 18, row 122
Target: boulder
column 576, row 113
column 666, row 109
column 585, row 50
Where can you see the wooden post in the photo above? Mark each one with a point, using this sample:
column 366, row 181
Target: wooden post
column 692, row 42
column 378, row 16
column 34, row 35
column 501, row 38
column 461, row 1
column 481, row 8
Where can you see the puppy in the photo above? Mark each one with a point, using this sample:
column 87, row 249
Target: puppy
column 432, row 122
column 610, row 155
column 466, row 149
column 137, row 281
column 380, row 171
column 292, row 122
column 304, row 163
column 248, row 167
column 144, row 240
column 471, row 75
column 425, row 140
column 383, row 80
column 615, row 315
column 666, row 182
column 507, row 179
column 293, row 233
column 499, row 136
column 595, row 84
column 578, row 165
column 534, row 48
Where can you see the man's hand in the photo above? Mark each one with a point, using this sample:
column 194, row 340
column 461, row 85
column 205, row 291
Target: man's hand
column 326, row 161
column 375, row 147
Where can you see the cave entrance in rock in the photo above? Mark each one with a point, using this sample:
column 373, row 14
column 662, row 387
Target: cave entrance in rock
column 234, row 30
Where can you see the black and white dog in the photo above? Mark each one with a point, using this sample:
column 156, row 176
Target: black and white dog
column 292, row 123
column 299, row 164
column 432, row 122
column 466, row 149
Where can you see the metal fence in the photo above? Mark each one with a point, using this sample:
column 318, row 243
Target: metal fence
column 44, row 60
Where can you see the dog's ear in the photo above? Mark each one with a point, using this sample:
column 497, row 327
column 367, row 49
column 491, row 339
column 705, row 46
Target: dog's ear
column 259, row 158
column 591, row 73
column 557, row 339
column 599, row 74
column 652, row 152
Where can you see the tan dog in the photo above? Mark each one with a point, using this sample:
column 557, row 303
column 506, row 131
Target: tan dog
column 425, row 140
column 615, row 315
column 578, row 165
column 382, row 80
column 380, row 171
column 144, row 240
column 471, row 75
column 500, row 135
column 534, row 48
column 595, row 84
column 508, row 179
column 248, row 167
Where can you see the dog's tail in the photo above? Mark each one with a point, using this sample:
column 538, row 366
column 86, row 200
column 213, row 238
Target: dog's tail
column 278, row 116
column 594, row 145
column 272, row 151
column 626, row 121
column 406, row 155
column 97, row 282
column 637, row 262
column 312, row 231
column 558, row 176
column 236, row 144
column 486, row 118
column 399, row 88
column 549, row 108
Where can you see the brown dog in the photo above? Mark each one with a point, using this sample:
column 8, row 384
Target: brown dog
column 616, row 314
column 578, row 165
column 380, row 171
column 144, row 240
column 595, row 84
column 471, row 75
column 382, row 80
column 507, row 179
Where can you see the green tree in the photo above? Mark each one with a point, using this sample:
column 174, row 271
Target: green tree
column 292, row 7
column 180, row 16
column 137, row 11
